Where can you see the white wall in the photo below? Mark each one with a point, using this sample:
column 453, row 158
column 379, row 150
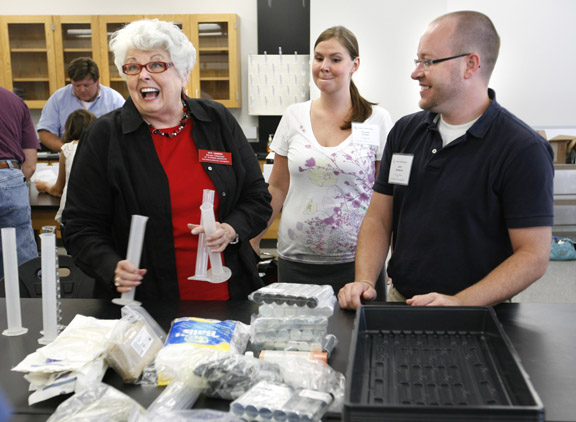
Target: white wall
column 532, row 77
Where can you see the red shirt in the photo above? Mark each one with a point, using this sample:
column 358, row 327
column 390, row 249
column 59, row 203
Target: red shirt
column 187, row 179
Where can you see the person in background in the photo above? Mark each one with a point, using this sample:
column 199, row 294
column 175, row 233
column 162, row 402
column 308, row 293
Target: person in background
column 77, row 121
column 154, row 157
column 465, row 187
column 327, row 153
column 18, row 148
column 83, row 92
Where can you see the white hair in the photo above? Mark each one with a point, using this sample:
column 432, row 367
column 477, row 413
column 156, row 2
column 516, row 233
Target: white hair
column 151, row 34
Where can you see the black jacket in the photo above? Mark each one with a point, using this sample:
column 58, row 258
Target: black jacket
column 116, row 173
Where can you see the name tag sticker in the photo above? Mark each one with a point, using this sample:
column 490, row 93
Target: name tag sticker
column 400, row 169
column 365, row 134
column 217, row 157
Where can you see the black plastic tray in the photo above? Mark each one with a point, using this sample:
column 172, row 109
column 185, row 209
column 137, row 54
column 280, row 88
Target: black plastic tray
column 435, row 364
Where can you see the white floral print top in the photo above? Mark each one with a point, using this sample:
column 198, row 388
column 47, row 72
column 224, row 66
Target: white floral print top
column 330, row 188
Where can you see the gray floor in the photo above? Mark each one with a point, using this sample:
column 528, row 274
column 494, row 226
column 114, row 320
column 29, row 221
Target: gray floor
column 557, row 286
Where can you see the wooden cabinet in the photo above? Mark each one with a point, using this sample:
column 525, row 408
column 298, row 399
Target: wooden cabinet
column 28, row 61
column 74, row 37
column 217, row 72
column 109, row 74
column 185, row 24
column 37, row 49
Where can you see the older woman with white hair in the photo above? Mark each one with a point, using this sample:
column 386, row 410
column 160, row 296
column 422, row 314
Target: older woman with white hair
column 154, row 157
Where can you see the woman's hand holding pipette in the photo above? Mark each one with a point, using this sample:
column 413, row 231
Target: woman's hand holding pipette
column 220, row 239
column 127, row 276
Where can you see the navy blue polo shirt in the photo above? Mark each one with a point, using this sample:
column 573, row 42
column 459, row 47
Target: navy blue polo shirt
column 450, row 223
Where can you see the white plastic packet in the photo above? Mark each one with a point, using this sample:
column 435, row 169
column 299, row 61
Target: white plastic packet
column 46, row 173
column 48, row 385
column 82, row 341
column 74, row 360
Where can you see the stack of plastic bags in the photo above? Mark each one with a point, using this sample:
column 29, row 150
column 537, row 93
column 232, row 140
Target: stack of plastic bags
column 74, row 360
column 290, row 331
column 198, row 356
column 103, row 403
column 82, row 352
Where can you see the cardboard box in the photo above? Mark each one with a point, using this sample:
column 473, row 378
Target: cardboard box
column 561, row 145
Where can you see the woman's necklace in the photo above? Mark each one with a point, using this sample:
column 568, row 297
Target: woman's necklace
column 178, row 129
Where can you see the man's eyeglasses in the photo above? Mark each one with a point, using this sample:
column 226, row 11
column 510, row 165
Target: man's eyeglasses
column 428, row 63
column 152, row 67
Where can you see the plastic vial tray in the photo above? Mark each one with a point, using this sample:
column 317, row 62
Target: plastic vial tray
column 435, row 363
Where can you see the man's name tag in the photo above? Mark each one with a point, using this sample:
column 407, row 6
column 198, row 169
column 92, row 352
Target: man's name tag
column 365, row 134
column 400, row 169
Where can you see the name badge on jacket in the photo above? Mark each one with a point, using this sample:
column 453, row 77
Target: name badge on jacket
column 216, row 157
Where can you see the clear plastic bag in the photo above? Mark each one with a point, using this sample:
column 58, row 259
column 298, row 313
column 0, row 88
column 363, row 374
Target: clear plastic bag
column 180, row 394
column 303, row 295
column 325, row 308
column 314, row 375
column 134, row 343
column 100, row 403
column 149, row 320
column 197, row 415
column 229, row 377
column 261, row 401
column 305, row 334
column 267, row 401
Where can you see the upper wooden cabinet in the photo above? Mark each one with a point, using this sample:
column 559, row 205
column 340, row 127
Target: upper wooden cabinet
column 28, row 60
column 109, row 74
column 108, row 25
column 36, row 51
column 74, row 36
column 217, row 72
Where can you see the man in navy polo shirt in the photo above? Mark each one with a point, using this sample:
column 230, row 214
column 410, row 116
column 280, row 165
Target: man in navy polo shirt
column 464, row 190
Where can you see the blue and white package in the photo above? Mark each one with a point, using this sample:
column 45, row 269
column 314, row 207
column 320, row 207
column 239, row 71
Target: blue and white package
column 193, row 341
column 210, row 333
